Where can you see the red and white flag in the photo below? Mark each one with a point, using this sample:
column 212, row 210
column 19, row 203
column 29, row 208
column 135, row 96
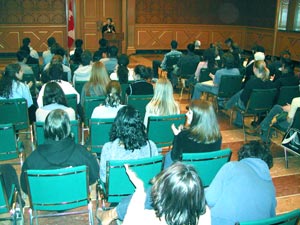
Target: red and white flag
column 71, row 30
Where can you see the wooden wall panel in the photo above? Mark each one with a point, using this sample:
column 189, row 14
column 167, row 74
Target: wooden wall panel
column 260, row 36
column 290, row 41
column 11, row 36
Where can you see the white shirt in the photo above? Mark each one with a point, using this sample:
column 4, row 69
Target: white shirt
column 65, row 69
column 83, row 73
column 102, row 111
column 41, row 113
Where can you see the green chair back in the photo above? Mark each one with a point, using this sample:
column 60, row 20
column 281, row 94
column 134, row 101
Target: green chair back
column 72, row 101
column 99, row 133
column 290, row 218
column 207, row 164
column 14, row 111
column 8, row 147
column 171, row 61
column 204, row 75
column 123, row 96
column 8, row 204
column 139, row 102
column 118, row 184
column 36, row 70
column 30, row 77
column 79, row 85
column 39, row 132
column 229, row 85
column 287, row 93
column 58, row 190
column 90, row 104
column 159, row 129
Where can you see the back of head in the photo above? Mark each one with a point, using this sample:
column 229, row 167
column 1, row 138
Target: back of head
column 289, row 66
column 174, row 44
column 113, row 51
column 256, row 149
column 99, row 75
column 51, row 41
column 259, row 56
column 228, row 60
column 7, row 78
column 57, row 125
column 26, row 41
column 103, row 42
column 54, row 47
column 113, row 91
column 163, row 89
column 86, row 57
column 191, row 47
column 197, row 44
column 11, row 70
column 178, row 195
column 129, row 128
column 56, row 71
column 53, row 93
column 78, row 43
column 260, row 70
column 228, row 41
column 123, row 71
column 60, row 51
column 57, row 59
column 204, row 126
column 21, row 55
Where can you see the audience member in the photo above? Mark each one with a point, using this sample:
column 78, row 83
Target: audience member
column 257, row 56
column 54, row 98
column 275, row 66
column 142, row 84
column 32, row 55
column 55, row 74
column 112, row 102
column 202, row 134
column 207, row 63
column 163, row 65
column 111, row 62
column 47, row 55
column 83, row 72
column 197, row 50
column 213, row 87
column 128, row 140
column 163, row 102
column 243, row 190
column 75, row 55
column 57, row 59
column 59, row 149
column 97, row 84
column 287, row 76
column 22, row 58
column 123, row 74
column 259, row 81
column 11, row 87
column 177, row 198
column 102, row 51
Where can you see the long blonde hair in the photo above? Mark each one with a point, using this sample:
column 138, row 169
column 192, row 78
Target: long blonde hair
column 163, row 102
column 260, row 70
column 99, row 79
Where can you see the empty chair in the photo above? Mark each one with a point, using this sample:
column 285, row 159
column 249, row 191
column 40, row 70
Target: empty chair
column 159, row 129
column 69, row 190
column 207, row 164
column 287, row 93
column 139, row 102
column 290, row 218
column 118, row 184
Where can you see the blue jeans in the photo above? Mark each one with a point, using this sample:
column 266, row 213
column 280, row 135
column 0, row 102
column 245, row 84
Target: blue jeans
column 235, row 100
column 199, row 88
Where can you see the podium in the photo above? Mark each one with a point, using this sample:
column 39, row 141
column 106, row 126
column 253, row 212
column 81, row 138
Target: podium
column 114, row 39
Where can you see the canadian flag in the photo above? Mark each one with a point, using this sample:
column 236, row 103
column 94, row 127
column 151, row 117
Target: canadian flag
column 71, row 30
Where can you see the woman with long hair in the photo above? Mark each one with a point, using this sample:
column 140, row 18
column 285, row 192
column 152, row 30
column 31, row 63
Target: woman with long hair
column 54, row 98
column 260, row 80
column 128, row 140
column 177, row 196
column 123, row 74
column 202, row 134
column 11, row 87
column 163, row 102
column 112, row 102
column 96, row 86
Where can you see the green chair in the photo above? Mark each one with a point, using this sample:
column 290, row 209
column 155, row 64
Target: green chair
column 124, row 95
column 90, row 104
column 30, row 77
column 99, row 133
column 72, row 101
column 10, row 148
column 159, row 129
column 57, row 191
column 290, row 218
column 260, row 102
column 36, row 70
column 207, row 164
column 10, row 205
column 79, row 85
column 229, row 85
column 118, row 184
column 204, row 75
column 15, row 111
column 287, row 93
column 139, row 102
column 39, row 132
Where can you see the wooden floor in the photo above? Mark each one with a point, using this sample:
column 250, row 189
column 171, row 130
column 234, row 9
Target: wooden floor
column 287, row 181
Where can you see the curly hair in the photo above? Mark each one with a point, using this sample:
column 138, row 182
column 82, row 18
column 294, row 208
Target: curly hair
column 129, row 128
column 256, row 149
column 53, row 93
column 113, row 91
column 178, row 195
column 7, row 79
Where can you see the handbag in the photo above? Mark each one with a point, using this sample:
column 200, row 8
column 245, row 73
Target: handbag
column 291, row 140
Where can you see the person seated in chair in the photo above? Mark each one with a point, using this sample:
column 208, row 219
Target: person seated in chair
column 163, row 64
column 59, row 150
column 83, row 72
